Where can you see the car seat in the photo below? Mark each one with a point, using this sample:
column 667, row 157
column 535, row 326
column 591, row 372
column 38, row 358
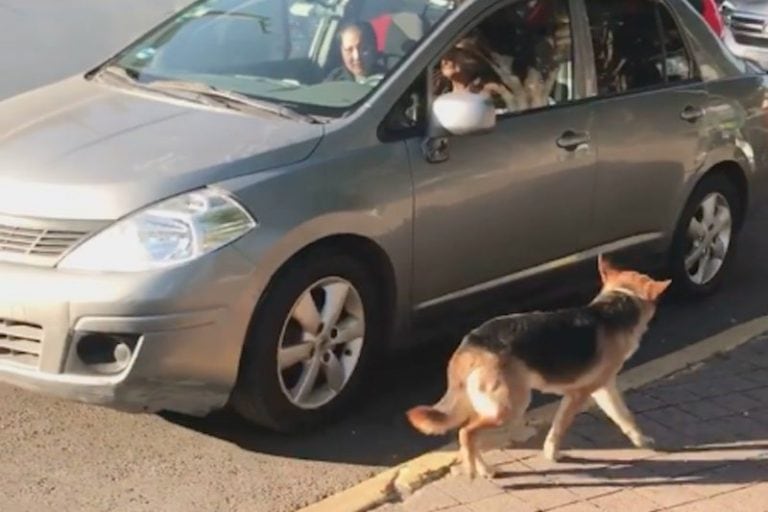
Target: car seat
column 396, row 34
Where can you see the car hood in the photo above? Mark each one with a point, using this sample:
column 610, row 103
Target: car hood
column 82, row 150
column 755, row 6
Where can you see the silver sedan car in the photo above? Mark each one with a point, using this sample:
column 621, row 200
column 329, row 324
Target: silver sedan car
column 252, row 201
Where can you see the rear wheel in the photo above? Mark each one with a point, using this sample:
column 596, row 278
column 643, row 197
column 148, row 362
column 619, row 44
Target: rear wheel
column 310, row 343
column 705, row 240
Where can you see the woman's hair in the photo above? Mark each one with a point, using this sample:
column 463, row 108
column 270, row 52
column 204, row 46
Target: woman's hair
column 473, row 65
column 470, row 64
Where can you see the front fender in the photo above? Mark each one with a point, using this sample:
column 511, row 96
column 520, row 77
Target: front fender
column 366, row 193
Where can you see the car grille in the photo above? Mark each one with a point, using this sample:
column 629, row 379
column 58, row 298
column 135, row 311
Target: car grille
column 40, row 241
column 20, row 342
column 749, row 29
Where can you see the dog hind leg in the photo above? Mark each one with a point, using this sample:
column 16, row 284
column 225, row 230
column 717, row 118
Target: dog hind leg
column 488, row 396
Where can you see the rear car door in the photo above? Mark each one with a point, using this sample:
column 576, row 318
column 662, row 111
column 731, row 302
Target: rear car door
column 650, row 107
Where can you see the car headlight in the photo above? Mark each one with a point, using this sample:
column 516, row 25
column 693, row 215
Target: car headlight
column 174, row 231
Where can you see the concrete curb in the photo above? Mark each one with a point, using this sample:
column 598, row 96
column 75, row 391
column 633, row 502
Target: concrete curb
column 416, row 473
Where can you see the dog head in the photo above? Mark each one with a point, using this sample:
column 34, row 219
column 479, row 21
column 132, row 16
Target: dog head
column 640, row 285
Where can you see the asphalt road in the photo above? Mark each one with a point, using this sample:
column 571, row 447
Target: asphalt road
column 72, row 457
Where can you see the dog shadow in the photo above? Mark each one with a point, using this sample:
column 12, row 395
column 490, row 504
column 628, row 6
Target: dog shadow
column 728, row 464
column 705, row 442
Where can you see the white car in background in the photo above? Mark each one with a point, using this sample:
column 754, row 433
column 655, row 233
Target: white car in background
column 746, row 33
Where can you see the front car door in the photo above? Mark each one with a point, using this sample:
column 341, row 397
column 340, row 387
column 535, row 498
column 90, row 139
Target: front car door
column 521, row 196
column 650, row 103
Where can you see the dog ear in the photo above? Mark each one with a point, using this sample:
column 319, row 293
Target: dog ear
column 656, row 288
column 605, row 268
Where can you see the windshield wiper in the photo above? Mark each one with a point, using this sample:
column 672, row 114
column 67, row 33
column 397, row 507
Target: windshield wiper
column 232, row 99
column 125, row 77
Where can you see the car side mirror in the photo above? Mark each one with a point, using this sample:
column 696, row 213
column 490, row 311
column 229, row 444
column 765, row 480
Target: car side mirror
column 463, row 113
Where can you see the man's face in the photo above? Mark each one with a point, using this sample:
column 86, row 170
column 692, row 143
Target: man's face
column 357, row 53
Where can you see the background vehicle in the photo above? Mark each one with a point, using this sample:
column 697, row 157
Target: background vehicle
column 745, row 29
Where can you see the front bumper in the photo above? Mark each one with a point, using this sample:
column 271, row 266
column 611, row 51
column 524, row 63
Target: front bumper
column 189, row 324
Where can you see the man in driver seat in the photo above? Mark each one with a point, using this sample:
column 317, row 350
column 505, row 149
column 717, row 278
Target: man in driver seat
column 359, row 55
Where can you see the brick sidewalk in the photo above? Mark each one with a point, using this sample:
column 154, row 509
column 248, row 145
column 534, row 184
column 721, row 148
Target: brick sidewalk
column 715, row 416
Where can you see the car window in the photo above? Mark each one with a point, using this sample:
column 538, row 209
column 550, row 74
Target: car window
column 637, row 45
column 520, row 55
column 678, row 62
column 409, row 115
column 316, row 56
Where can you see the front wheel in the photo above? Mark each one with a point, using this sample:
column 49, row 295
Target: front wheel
column 705, row 240
column 310, row 343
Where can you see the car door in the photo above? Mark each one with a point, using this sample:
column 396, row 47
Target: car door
column 520, row 196
column 650, row 104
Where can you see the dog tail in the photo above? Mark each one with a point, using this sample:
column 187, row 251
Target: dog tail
column 440, row 418
column 451, row 412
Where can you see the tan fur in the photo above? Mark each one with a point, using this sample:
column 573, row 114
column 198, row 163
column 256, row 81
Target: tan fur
column 486, row 391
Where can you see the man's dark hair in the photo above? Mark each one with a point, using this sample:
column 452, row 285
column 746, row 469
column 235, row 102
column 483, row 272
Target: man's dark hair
column 367, row 34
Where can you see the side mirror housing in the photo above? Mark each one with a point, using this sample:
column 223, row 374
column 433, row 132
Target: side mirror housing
column 463, row 113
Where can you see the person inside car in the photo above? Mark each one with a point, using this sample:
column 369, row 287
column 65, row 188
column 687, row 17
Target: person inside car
column 359, row 55
column 522, row 52
column 465, row 68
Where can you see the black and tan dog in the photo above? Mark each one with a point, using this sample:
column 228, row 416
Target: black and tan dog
column 575, row 352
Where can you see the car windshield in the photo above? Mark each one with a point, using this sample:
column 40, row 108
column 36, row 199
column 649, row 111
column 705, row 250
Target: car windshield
column 319, row 57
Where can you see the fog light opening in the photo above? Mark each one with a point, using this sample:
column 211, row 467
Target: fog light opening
column 106, row 353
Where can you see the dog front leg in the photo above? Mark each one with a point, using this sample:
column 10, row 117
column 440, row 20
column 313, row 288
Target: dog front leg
column 570, row 406
column 609, row 399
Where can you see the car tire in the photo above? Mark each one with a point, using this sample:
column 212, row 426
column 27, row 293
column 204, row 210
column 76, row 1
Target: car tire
column 705, row 239
column 273, row 387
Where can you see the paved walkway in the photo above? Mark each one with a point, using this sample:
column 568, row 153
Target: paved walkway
column 714, row 417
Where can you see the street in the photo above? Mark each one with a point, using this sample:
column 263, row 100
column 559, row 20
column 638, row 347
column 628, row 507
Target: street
column 72, row 457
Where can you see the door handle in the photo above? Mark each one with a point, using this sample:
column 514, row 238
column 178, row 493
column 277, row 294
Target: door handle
column 571, row 140
column 691, row 114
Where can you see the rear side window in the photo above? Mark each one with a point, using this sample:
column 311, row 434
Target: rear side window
column 637, row 45
column 677, row 61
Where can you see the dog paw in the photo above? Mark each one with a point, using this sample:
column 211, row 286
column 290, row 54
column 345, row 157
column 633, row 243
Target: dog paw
column 486, row 471
column 470, row 471
column 552, row 452
column 642, row 441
